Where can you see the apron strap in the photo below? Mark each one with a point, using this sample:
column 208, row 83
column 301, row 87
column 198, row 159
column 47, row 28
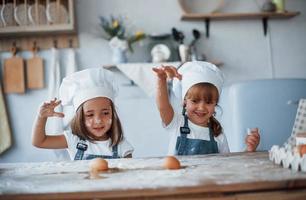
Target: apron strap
column 82, row 147
column 184, row 131
column 115, row 151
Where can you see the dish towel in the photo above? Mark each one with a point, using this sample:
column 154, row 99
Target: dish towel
column 70, row 62
column 142, row 74
column 70, row 65
column 5, row 131
column 54, row 74
column 55, row 124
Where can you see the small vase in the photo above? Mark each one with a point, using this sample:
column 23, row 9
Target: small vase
column 280, row 5
column 268, row 6
column 119, row 56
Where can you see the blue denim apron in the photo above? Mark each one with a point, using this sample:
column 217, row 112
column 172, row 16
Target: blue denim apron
column 187, row 146
column 82, row 147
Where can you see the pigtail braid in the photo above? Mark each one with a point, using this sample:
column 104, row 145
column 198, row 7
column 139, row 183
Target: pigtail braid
column 216, row 126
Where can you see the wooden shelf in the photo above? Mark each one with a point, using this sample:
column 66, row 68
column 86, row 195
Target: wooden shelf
column 264, row 16
column 230, row 16
column 37, row 30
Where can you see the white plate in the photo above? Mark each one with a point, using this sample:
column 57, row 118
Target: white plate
column 7, row 14
column 38, row 17
column 57, row 13
column 20, row 14
column 202, row 6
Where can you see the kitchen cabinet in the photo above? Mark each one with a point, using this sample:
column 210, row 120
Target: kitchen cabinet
column 46, row 23
column 37, row 17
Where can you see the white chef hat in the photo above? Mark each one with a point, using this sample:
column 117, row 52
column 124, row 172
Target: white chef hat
column 197, row 72
column 87, row 84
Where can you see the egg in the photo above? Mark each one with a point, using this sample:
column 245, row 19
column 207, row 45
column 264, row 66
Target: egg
column 98, row 164
column 302, row 149
column 172, row 162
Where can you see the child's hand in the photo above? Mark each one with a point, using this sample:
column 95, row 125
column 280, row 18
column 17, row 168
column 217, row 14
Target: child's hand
column 165, row 72
column 47, row 109
column 252, row 140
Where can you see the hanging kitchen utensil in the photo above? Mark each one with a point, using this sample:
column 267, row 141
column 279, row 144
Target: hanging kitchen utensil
column 5, row 131
column 35, row 71
column 14, row 74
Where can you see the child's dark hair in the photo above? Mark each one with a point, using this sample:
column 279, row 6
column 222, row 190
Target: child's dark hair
column 209, row 93
column 78, row 127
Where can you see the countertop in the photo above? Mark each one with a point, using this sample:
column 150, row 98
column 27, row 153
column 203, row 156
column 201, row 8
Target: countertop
column 217, row 175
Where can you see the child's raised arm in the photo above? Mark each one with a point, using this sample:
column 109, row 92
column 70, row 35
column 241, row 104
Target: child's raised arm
column 39, row 137
column 164, row 106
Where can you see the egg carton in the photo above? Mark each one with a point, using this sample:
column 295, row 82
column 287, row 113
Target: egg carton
column 288, row 158
column 289, row 155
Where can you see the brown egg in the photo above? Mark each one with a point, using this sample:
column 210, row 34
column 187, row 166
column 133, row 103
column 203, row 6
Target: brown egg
column 302, row 149
column 172, row 162
column 98, row 164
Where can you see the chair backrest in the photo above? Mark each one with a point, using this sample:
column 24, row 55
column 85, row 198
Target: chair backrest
column 299, row 126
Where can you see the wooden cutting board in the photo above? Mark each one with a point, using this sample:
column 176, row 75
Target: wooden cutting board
column 35, row 73
column 14, row 79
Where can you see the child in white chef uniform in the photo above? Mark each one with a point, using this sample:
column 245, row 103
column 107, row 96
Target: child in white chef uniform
column 95, row 130
column 195, row 131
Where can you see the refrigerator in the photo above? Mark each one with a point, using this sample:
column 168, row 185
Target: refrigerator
column 268, row 104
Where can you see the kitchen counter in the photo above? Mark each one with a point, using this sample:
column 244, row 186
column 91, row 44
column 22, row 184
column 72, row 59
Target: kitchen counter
column 218, row 176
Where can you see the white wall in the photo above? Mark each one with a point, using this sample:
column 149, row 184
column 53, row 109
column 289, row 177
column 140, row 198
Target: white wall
column 240, row 44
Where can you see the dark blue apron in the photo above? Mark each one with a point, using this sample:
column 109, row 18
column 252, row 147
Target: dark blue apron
column 187, row 146
column 82, row 147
